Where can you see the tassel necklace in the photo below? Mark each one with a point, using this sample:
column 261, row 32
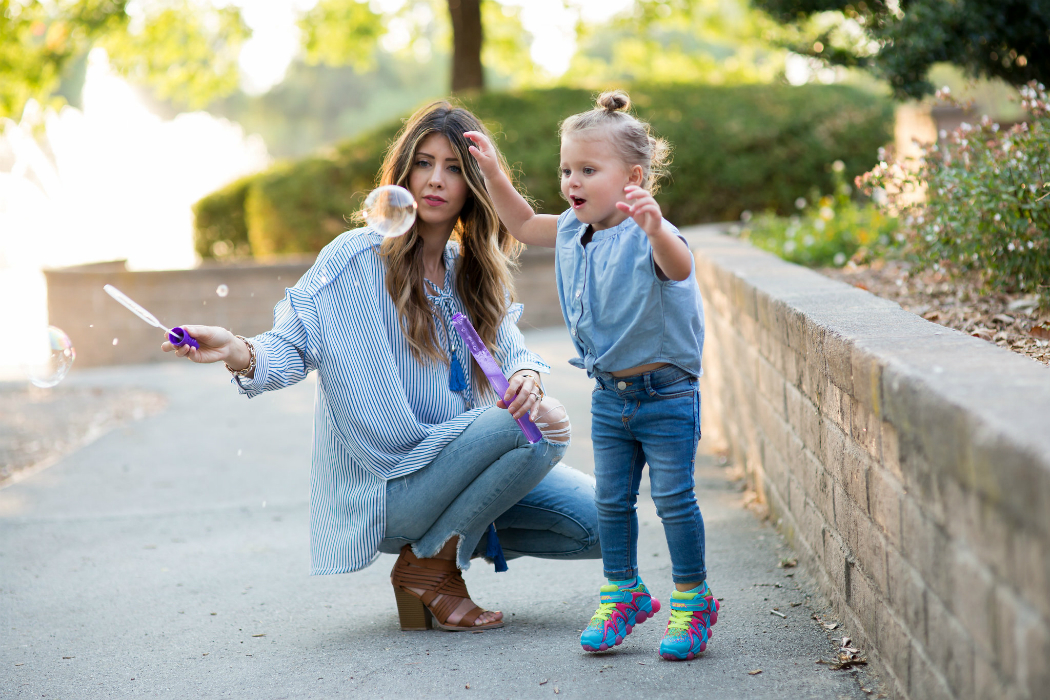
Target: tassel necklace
column 456, row 376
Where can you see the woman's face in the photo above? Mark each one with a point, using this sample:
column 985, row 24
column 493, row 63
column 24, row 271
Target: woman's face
column 437, row 182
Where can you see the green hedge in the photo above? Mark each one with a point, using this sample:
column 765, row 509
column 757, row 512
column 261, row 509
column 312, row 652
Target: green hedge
column 754, row 147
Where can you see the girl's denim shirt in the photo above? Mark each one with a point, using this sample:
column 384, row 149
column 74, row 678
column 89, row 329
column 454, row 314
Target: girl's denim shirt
column 619, row 312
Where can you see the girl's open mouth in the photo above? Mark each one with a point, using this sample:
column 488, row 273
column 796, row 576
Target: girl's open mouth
column 577, row 202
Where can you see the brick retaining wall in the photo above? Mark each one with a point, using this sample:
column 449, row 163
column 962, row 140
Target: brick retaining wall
column 909, row 465
column 78, row 305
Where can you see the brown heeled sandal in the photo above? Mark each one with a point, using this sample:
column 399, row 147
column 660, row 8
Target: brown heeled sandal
column 439, row 579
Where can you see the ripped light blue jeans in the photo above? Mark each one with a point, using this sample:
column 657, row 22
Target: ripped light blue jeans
column 491, row 474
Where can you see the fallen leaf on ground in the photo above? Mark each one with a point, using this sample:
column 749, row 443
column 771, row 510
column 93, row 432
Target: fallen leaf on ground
column 755, row 672
column 467, row 686
column 259, row 635
column 787, row 563
column 830, row 625
column 543, row 682
column 778, row 613
column 1041, row 331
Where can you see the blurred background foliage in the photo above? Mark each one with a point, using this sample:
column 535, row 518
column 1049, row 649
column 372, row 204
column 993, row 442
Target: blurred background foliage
column 711, row 75
column 736, row 148
column 185, row 51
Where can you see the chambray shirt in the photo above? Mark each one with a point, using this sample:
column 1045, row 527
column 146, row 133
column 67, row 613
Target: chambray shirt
column 619, row 312
column 379, row 413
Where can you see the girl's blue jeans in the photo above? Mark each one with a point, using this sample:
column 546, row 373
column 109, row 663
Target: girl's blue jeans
column 490, row 473
column 651, row 418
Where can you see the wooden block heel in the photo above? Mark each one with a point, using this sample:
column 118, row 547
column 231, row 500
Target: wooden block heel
column 443, row 591
column 411, row 611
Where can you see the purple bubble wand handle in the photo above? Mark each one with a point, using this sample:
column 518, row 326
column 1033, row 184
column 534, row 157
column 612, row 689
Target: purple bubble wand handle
column 488, row 365
column 178, row 337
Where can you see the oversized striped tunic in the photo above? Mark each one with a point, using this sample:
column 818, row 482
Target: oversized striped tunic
column 379, row 413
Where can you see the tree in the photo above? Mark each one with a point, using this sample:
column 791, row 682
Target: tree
column 187, row 51
column 340, row 32
column 900, row 40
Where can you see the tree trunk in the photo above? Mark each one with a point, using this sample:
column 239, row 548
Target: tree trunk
column 467, row 73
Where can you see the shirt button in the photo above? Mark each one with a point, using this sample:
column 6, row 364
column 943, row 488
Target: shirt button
column 574, row 331
column 621, row 385
column 577, row 295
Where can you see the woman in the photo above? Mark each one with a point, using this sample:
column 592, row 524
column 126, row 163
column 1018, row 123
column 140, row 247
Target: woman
column 409, row 454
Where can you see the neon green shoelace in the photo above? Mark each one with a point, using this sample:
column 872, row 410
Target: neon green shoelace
column 604, row 611
column 680, row 619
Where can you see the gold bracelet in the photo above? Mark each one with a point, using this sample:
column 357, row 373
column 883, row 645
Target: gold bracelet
column 251, row 360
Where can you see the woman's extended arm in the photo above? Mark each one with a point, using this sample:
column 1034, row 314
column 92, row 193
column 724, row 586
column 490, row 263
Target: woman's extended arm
column 279, row 357
column 523, row 223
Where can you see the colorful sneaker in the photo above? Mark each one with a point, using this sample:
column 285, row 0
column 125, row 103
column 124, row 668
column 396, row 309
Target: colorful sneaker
column 689, row 629
column 620, row 610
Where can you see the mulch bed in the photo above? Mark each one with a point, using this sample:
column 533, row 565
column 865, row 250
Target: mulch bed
column 1011, row 321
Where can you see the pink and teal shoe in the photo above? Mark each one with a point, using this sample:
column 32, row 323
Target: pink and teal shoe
column 619, row 611
column 693, row 613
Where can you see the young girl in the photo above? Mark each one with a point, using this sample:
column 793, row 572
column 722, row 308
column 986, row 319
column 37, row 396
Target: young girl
column 627, row 291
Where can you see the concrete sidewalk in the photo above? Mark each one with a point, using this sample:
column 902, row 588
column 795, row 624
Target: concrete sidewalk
column 169, row 559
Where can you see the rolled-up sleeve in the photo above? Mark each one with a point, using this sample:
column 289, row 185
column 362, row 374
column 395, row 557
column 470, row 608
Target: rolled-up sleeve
column 281, row 357
column 514, row 356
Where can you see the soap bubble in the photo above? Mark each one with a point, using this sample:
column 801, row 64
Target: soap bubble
column 54, row 357
column 222, row 290
column 390, row 210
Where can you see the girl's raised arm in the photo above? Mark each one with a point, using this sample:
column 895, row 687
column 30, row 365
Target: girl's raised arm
column 523, row 223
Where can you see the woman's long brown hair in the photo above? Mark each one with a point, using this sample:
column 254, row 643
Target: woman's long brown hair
column 487, row 251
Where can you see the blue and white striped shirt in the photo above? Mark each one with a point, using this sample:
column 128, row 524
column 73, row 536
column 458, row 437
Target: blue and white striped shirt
column 379, row 413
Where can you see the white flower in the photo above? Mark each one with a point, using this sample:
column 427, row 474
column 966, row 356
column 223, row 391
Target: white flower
column 838, row 166
column 827, row 213
column 789, row 247
column 800, row 203
column 808, row 240
column 839, row 259
column 1010, row 246
column 745, row 216
column 819, row 224
column 997, row 217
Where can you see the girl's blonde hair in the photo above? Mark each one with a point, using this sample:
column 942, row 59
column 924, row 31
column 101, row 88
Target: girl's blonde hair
column 632, row 138
column 487, row 250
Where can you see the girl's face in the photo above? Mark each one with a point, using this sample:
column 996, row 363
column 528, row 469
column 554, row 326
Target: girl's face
column 437, row 182
column 593, row 178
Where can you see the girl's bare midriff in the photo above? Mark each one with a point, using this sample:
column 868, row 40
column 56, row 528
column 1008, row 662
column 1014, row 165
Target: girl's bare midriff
column 639, row 369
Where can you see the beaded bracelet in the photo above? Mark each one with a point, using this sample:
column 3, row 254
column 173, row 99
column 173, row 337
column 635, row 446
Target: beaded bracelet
column 251, row 360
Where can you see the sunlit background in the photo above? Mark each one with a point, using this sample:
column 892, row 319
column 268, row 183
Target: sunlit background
column 113, row 174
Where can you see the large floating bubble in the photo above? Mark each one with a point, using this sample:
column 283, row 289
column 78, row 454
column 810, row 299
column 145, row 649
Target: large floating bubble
column 222, row 290
column 54, row 356
column 390, row 210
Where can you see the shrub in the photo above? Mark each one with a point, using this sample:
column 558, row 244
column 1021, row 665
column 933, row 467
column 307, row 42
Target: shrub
column 220, row 229
column 828, row 230
column 979, row 201
column 737, row 148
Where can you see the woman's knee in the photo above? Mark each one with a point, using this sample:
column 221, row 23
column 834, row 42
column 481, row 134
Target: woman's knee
column 553, row 421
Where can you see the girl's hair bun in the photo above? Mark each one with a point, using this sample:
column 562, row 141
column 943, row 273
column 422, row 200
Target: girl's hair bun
column 614, row 101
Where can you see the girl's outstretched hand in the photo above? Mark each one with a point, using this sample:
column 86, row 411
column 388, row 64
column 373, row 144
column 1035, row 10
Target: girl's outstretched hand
column 216, row 344
column 484, row 153
column 642, row 207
